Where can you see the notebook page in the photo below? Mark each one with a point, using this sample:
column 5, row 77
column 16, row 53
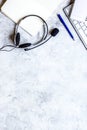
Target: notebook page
column 79, row 11
column 16, row 9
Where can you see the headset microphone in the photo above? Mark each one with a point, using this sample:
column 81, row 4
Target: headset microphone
column 54, row 32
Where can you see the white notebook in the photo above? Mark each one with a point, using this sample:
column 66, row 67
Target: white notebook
column 16, row 9
column 79, row 11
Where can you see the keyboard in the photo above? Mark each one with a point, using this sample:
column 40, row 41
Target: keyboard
column 79, row 27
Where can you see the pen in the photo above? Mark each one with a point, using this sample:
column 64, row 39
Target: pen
column 64, row 24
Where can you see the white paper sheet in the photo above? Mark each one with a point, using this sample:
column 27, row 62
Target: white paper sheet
column 16, row 9
column 79, row 11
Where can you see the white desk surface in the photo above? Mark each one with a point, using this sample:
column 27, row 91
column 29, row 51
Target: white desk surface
column 46, row 88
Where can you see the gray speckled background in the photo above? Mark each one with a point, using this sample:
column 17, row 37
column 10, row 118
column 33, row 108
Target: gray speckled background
column 46, row 88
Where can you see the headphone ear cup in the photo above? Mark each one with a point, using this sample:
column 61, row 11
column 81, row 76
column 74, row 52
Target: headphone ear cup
column 24, row 45
column 17, row 39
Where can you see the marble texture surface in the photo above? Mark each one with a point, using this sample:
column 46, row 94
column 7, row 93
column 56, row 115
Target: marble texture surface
column 46, row 88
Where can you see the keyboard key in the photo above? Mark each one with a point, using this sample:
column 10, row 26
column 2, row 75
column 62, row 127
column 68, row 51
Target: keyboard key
column 78, row 26
column 84, row 37
column 84, row 28
column 81, row 23
column 86, row 32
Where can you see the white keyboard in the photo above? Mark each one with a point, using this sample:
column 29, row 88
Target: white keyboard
column 80, row 27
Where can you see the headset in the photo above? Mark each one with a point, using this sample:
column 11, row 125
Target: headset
column 28, row 46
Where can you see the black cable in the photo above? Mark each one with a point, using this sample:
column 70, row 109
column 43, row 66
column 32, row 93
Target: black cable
column 10, row 46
